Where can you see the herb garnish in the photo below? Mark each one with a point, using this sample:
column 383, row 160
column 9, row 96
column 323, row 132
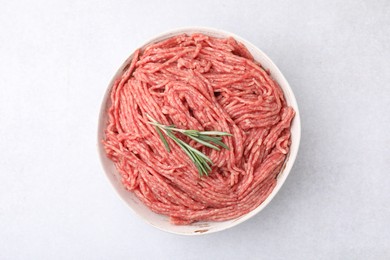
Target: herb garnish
column 211, row 139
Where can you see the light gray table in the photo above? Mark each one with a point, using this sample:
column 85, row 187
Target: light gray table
column 56, row 60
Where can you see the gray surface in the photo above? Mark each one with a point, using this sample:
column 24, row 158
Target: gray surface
column 55, row 63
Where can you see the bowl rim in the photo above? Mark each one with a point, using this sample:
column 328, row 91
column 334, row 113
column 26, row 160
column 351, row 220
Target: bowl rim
column 290, row 159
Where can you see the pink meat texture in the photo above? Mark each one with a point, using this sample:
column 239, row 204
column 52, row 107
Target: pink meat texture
column 203, row 83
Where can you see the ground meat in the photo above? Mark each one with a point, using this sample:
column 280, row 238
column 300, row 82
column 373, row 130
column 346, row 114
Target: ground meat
column 203, row 83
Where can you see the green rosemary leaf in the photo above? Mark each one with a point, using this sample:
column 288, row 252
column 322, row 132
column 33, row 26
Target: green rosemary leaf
column 199, row 153
column 215, row 133
column 165, row 142
column 222, row 144
column 204, row 167
column 191, row 132
column 203, row 142
column 209, row 138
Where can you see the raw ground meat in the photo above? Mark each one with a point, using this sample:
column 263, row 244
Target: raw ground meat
column 203, row 83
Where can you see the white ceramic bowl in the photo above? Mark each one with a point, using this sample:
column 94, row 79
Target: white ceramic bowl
column 160, row 221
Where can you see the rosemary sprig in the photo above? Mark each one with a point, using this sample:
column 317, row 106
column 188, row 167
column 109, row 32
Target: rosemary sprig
column 210, row 139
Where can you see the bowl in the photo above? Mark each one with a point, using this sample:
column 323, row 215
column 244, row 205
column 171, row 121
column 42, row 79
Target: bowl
column 199, row 228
